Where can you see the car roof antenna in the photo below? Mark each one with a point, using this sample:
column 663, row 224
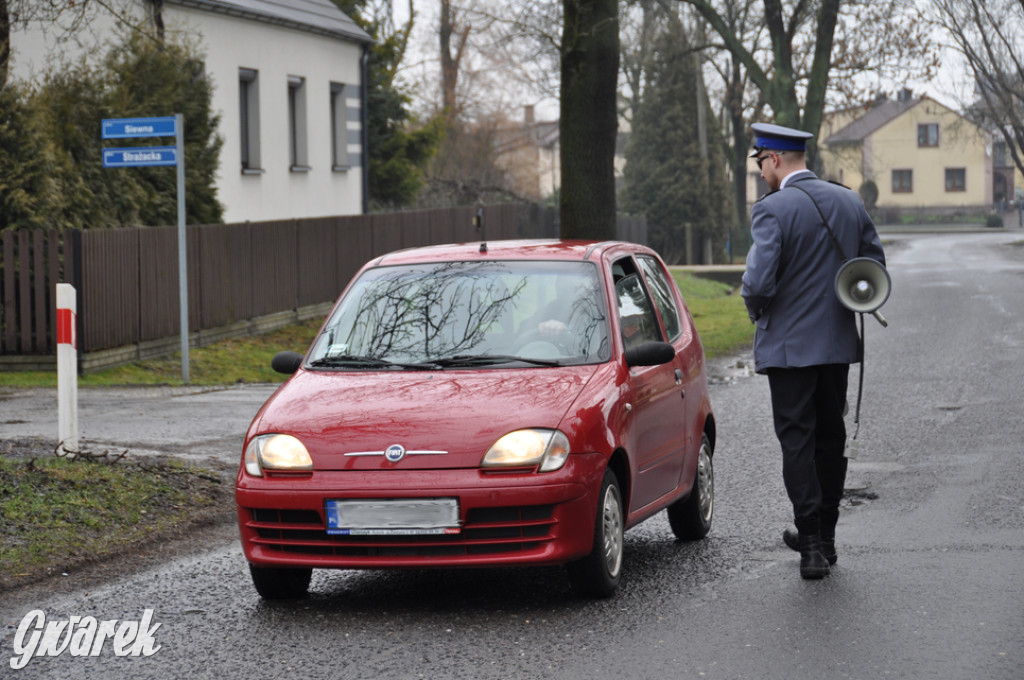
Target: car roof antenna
column 478, row 222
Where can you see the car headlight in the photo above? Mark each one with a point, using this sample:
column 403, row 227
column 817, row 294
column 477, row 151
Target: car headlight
column 524, row 448
column 276, row 452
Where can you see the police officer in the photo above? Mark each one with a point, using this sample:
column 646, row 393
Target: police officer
column 805, row 338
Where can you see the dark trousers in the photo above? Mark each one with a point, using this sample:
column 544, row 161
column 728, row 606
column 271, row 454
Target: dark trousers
column 807, row 405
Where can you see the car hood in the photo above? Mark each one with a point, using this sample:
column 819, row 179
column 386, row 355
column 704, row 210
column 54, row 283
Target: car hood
column 456, row 415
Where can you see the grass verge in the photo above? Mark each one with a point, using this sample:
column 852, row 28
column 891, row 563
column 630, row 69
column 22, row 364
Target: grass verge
column 57, row 514
column 238, row 360
column 718, row 312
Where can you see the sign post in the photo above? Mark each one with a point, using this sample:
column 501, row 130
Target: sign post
column 67, row 369
column 134, row 157
column 179, row 138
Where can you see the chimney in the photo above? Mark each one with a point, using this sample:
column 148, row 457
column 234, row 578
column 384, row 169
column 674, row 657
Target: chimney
column 905, row 95
column 528, row 114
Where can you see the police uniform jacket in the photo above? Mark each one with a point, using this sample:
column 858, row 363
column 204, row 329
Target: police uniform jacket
column 789, row 283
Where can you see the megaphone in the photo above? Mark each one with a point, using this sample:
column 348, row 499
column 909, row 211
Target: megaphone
column 863, row 285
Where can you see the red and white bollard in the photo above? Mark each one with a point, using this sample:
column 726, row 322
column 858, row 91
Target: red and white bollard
column 67, row 370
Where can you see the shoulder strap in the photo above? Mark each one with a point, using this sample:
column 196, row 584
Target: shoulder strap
column 831, row 234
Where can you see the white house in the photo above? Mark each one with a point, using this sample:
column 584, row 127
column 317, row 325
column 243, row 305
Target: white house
column 289, row 79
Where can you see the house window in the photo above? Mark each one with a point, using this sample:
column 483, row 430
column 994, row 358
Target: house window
column 956, row 179
column 249, row 108
column 999, row 155
column 297, row 132
column 902, row 181
column 339, row 128
column 928, row 134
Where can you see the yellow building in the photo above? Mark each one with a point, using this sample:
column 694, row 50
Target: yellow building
column 925, row 159
column 918, row 152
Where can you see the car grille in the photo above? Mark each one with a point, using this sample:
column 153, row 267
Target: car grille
column 486, row 531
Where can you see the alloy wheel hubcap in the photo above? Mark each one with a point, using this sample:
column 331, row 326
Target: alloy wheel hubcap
column 612, row 518
column 705, row 483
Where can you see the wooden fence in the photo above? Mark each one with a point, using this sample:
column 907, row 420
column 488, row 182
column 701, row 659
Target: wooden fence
column 242, row 278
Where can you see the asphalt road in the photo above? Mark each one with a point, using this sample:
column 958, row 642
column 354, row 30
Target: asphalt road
column 931, row 547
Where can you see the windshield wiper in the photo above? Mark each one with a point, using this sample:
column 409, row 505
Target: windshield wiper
column 470, row 360
column 351, row 361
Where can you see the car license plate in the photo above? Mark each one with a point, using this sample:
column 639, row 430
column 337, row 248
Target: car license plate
column 393, row 517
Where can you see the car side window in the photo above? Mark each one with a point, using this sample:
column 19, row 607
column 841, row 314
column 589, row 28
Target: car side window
column 637, row 320
column 661, row 290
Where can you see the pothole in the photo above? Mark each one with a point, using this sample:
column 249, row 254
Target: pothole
column 855, row 497
column 727, row 373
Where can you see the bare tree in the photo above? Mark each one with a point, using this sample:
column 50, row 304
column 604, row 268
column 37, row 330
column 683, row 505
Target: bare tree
column 637, row 24
column 65, row 19
column 990, row 36
column 465, row 169
column 816, row 49
column 453, row 25
column 527, row 35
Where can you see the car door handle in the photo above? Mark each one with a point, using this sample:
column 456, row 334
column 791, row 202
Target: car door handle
column 679, row 376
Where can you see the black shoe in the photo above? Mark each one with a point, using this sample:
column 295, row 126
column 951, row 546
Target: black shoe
column 813, row 564
column 828, row 545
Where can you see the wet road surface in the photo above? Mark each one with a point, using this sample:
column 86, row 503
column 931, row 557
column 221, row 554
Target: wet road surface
column 931, row 542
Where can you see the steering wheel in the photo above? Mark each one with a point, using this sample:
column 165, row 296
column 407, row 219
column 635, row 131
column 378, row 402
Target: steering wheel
column 533, row 343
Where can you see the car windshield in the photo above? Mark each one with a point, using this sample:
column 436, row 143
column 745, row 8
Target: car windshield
column 467, row 315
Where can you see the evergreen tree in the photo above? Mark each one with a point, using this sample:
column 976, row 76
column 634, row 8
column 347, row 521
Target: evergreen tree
column 51, row 167
column 150, row 78
column 69, row 105
column 25, row 180
column 667, row 177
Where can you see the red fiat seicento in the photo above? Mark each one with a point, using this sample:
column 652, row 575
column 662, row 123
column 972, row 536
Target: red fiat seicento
column 509, row 403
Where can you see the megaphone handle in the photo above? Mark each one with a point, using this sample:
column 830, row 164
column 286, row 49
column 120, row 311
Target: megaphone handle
column 881, row 319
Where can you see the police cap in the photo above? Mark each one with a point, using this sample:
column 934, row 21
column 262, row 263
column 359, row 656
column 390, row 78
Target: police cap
column 778, row 138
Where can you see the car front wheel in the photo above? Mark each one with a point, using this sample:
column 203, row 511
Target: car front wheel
column 274, row 583
column 690, row 517
column 598, row 573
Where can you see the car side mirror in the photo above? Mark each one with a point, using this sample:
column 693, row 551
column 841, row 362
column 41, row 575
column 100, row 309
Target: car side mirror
column 286, row 362
column 650, row 354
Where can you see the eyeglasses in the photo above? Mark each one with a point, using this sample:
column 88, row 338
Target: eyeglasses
column 762, row 159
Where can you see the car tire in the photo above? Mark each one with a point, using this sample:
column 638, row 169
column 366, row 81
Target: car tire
column 598, row 574
column 690, row 517
column 275, row 583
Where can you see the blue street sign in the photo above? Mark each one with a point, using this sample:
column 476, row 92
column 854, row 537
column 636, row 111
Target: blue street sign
column 167, row 126
column 123, row 128
column 137, row 157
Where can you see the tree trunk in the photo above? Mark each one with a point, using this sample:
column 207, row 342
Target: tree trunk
column 588, row 120
column 740, row 141
column 5, row 42
column 781, row 94
column 449, row 66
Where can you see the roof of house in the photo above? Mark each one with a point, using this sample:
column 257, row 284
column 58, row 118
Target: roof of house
column 875, row 118
column 518, row 135
column 316, row 16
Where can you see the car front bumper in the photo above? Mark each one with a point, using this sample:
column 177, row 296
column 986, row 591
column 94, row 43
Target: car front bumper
column 506, row 518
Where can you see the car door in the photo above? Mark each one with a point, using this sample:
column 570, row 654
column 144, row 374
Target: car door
column 654, row 398
column 689, row 354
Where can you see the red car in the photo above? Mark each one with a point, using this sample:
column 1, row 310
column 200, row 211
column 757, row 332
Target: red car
column 508, row 403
